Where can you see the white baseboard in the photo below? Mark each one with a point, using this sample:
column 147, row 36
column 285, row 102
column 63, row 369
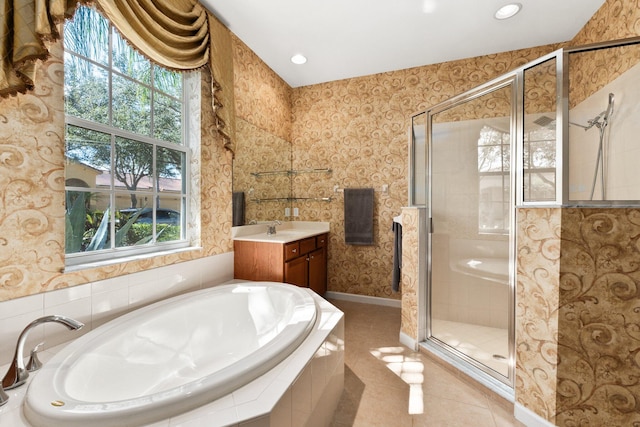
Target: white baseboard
column 406, row 340
column 365, row 299
column 529, row 418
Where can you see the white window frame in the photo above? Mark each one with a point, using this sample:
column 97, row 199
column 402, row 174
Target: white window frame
column 504, row 175
column 190, row 228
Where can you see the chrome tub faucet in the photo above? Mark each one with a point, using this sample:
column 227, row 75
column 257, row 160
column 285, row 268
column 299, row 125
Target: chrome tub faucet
column 18, row 373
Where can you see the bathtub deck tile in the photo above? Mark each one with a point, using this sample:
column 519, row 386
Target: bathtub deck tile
column 220, row 412
column 281, row 414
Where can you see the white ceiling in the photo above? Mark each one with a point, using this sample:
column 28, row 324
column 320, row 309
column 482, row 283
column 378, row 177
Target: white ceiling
column 350, row 38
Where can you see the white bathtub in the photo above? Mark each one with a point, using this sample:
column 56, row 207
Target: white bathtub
column 170, row 357
column 494, row 269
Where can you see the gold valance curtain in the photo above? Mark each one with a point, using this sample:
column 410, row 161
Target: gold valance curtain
column 176, row 34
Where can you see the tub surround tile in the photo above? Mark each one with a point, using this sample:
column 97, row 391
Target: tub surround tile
column 10, row 329
column 282, row 414
column 110, row 285
column 301, row 401
column 108, row 305
column 20, row 306
column 66, row 295
column 221, row 412
column 258, row 422
column 55, row 333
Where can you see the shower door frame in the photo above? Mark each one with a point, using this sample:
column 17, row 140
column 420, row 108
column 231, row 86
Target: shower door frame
column 517, row 76
column 454, row 356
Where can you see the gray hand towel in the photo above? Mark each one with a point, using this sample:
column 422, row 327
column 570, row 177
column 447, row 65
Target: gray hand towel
column 397, row 256
column 237, row 207
column 358, row 216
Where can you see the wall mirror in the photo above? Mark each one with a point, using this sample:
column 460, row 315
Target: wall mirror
column 260, row 173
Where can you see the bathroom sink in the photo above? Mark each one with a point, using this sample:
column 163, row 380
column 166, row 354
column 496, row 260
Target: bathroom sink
column 286, row 232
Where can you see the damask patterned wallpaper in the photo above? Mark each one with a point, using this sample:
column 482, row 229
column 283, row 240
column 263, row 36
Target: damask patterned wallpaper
column 599, row 318
column 537, row 300
column 577, row 295
column 32, row 191
column 359, row 128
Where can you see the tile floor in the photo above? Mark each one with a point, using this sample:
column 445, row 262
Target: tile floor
column 389, row 385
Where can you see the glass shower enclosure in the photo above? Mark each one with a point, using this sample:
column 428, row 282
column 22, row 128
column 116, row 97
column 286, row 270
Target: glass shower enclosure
column 541, row 135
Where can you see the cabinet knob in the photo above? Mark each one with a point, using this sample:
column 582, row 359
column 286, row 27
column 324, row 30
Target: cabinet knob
column 294, row 250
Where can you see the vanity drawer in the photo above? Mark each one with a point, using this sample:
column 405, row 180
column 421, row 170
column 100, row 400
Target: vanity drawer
column 321, row 241
column 291, row 250
column 307, row 245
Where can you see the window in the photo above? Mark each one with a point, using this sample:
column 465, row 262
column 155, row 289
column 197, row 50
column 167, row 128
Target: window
column 127, row 164
column 540, row 161
column 493, row 180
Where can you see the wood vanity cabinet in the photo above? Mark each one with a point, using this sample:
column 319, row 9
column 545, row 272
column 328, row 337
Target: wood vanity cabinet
column 301, row 262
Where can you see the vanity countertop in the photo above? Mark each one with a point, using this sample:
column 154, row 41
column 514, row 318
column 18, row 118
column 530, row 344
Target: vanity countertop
column 285, row 233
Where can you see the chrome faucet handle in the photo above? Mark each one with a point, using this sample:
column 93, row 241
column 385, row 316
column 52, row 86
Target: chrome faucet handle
column 34, row 363
column 17, row 373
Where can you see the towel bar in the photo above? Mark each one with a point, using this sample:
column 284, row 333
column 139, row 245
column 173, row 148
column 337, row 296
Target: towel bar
column 383, row 189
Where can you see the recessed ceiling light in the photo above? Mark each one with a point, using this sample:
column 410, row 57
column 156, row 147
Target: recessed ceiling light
column 298, row 59
column 508, row 10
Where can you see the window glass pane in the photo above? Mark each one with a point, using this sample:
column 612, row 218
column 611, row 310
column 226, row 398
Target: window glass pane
column 86, row 93
column 493, row 150
column 167, row 81
column 167, row 119
column 134, row 226
column 131, row 106
column 133, row 167
column 87, row 225
column 494, row 203
column 540, row 184
column 129, row 62
column 87, row 34
column 88, row 154
column 169, row 218
column 170, row 167
column 543, row 153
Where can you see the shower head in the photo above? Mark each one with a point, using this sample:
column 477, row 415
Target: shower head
column 609, row 111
